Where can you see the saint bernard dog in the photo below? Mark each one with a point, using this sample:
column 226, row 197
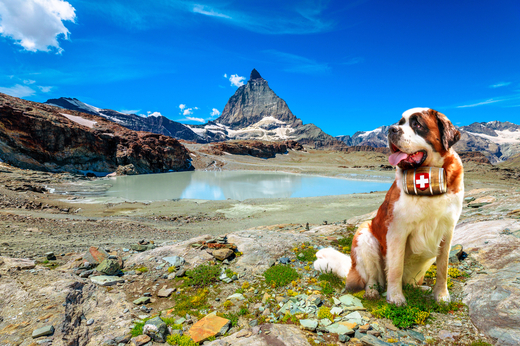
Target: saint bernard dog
column 409, row 232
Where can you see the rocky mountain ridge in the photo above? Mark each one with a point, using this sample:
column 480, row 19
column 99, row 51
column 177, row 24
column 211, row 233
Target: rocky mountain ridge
column 41, row 137
column 156, row 124
column 497, row 140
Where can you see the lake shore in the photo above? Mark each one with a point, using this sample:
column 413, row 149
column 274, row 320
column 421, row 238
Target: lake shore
column 72, row 222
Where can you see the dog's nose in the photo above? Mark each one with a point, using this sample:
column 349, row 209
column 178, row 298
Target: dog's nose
column 393, row 129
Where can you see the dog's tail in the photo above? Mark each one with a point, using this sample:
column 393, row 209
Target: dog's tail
column 330, row 260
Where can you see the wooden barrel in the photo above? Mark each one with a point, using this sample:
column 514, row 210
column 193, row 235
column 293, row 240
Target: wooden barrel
column 425, row 181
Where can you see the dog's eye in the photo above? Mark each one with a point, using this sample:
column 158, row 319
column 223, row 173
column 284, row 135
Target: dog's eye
column 417, row 125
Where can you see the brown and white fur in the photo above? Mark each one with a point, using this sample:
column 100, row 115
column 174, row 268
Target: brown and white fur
column 409, row 233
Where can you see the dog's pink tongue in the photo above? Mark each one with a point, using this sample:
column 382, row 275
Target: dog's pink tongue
column 395, row 158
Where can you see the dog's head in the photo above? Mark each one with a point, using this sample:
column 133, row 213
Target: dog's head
column 422, row 137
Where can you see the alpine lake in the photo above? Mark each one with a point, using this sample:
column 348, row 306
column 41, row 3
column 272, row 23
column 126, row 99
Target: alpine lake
column 233, row 185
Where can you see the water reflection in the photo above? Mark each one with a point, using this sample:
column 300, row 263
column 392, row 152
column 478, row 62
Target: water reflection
column 237, row 185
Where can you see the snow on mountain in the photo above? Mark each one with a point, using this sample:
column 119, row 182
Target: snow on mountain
column 154, row 122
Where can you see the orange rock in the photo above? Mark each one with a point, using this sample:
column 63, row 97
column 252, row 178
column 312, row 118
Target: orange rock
column 208, row 326
column 348, row 324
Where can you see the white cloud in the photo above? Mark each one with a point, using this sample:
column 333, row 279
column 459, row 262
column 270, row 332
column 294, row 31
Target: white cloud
column 44, row 89
column 299, row 64
column 214, row 112
column 182, row 106
column 501, row 84
column 188, row 111
column 195, row 107
column 36, row 24
column 208, row 11
column 29, row 81
column 130, row 111
column 200, row 120
column 480, row 103
column 225, row 75
column 236, row 80
column 18, row 91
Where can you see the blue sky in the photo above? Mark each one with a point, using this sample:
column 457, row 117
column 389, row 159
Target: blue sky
column 342, row 65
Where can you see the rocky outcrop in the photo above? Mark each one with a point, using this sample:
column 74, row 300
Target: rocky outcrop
column 42, row 137
column 254, row 148
column 154, row 124
column 474, row 156
column 254, row 101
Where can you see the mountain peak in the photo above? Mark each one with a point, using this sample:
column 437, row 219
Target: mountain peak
column 255, row 75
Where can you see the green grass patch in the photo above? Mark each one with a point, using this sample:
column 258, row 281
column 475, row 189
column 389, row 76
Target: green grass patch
column 290, row 318
column 231, row 317
column 243, row 311
column 280, row 275
column 191, row 302
column 170, row 322
column 184, row 340
column 202, row 275
column 142, row 269
column 138, row 328
column 305, row 253
column 417, row 311
column 480, row 343
column 329, row 282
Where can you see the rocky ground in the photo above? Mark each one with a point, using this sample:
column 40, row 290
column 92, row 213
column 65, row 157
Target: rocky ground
column 59, row 290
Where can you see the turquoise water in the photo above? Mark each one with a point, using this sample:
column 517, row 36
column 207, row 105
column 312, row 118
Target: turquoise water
column 236, row 185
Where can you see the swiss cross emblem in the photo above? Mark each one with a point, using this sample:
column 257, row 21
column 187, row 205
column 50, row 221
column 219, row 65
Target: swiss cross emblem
column 422, row 181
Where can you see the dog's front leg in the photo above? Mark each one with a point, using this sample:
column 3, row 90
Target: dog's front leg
column 440, row 290
column 394, row 265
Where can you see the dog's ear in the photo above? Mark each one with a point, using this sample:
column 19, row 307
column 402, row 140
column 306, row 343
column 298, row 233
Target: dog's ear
column 449, row 134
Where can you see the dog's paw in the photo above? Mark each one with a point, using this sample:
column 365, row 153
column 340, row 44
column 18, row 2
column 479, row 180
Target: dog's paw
column 371, row 293
column 396, row 299
column 442, row 296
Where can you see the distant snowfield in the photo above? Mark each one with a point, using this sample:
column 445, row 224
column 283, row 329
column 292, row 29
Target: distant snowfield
column 255, row 131
column 505, row 136
column 80, row 120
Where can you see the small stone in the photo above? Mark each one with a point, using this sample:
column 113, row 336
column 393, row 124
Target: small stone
column 95, row 255
column 336, row 310
column 175, row 261
column 455, row 253
column 180, row 273
column 236, row 296
column 90, row 322
column 180, row 320
column 253, row 323
column 343, row 338
column 165, row 292
column 391, row 327
column 222, row 254
column 139, row 248
column 142, row 300
column 309, row 324
column 244, row 333
column 156, row 329
column 416, row 335
column 50, row 256
column 140, row 340
column 350, row 300
column 43, row 331
column 284, row 260
column 104, row 280
column 371, row 340
column 339, row 329
column 325, row 322
column 109, row 267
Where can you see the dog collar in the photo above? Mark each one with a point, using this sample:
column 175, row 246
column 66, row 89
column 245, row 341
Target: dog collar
column 425, row 181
